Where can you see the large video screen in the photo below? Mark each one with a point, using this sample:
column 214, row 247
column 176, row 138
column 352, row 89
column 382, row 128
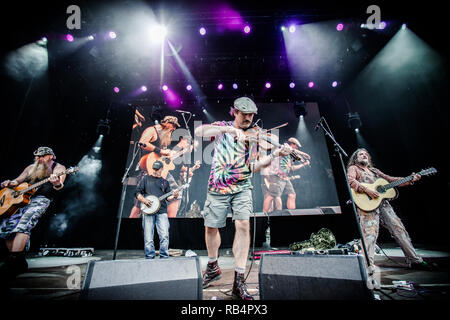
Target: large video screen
column 286, row 187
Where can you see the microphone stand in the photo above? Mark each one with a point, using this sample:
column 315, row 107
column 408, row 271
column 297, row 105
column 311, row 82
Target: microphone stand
column 340, row 151
column 122, row 199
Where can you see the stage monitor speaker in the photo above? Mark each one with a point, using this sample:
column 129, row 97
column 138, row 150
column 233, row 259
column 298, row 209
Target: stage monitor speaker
column 313, row 277
column 177, row 278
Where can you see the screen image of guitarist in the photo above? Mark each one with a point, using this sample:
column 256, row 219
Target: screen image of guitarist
column 360, row 172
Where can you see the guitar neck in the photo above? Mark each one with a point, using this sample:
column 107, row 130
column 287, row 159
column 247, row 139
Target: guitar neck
column 398, row 182
column 38, row 184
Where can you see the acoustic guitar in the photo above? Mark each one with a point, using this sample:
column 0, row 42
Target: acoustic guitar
column 385, row 189
column 11, row 199
column 147, row 161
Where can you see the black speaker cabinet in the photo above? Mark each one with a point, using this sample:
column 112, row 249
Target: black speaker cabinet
column 177, row 278
column 313, row 277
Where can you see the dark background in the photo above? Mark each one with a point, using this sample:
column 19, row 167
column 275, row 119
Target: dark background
column 405, row 118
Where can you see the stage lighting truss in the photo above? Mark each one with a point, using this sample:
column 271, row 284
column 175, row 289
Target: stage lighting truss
column 354, row 121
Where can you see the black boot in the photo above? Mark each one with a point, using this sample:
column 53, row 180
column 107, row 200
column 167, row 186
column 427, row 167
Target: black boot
column 212, row 273
column 13, row 265
column 240, row 287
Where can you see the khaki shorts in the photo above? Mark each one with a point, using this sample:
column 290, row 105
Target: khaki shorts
column 278, row 186
column 216, row 207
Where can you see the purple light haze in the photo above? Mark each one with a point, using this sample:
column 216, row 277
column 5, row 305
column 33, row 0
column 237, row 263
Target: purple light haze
column 310, row 84
column 226, row 18
column 173, row 100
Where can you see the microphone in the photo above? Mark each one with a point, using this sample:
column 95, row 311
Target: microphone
column 140, row 144
column 318, row 124
column 182, row 111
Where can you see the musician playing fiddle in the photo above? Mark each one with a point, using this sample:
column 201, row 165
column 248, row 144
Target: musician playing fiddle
column 235, row 160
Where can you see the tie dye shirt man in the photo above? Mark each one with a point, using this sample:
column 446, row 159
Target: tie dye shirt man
column 230, row 168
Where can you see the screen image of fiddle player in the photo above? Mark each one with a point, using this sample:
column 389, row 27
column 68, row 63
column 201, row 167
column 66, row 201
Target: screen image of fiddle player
column 304, row 186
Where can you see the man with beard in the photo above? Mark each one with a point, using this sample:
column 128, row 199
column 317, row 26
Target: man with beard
column 158, row 138
column 234, row 162
column 360, row 170
column 16, row 229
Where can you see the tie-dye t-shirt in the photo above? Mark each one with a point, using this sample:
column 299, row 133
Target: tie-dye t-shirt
column 281, row 166
column 230, row 168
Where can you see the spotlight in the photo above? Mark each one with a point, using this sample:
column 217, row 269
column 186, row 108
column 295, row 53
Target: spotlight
column 158, row 33
column 292, row 85
column 300, row 109
column 69, row 37
column 268, row 85
column 339, row 27
column 247, row 29
column 404, row 26
column 91, row 37
column 354, row 121
column 116, row 89
column 188, row 87
column 283, row 28
column 144, row 88
column 310, row 84
column 112, row 35
column 292, row 28
column 382, row 25
column 103, row 127
column 202, row 31
column 165, row 87
column 42, row 42
column 204, row 110
column 220, row 86
column 334, row 84
column 235, row 86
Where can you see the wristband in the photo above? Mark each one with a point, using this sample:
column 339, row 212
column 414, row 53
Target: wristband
column 157, row 150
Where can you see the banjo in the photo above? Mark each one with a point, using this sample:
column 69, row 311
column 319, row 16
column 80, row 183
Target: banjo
column 156, row 202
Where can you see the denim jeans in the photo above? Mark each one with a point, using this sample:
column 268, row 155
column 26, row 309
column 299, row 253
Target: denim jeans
column 161, row 221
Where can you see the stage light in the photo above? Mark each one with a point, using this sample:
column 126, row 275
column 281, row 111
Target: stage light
column 235, row 86
column 292, row 85
column 91, row 37
column 310, row 84
column 357, row 130
column 268, row 85
column 69, row 37
column 247, row 29
column 188, row 87
column 292, row 28
column 354, row 121
column 382, row 25
column 404, row 26
column 116, row 89
column 339, row 27
column 283, row 28
column 334, row 84
column 220, row 86
column 202, row 31
column 42, row 42
column 158, row 33
column 103, row 127
column 112, row 35
column 300, row 109
column 165, row 87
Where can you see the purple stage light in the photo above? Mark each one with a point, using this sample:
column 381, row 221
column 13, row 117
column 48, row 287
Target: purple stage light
column 247, row 29
column 112, row 35
column 268, row 85
column 339, row 27
column 220, row 86
column 188, row 87
column 235, row 86
column 382, row 25
column 116, row 89
column 292, row 28
column 292, row 85
column 334, row 84
column 69, row 37
column 165, row 87
column 144, row 88
column 202, row 31
column 310, row 84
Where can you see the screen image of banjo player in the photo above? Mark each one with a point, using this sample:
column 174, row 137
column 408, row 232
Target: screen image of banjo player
column 15, row 229
column 234, row 162
column 156, row 140
column 157, row 186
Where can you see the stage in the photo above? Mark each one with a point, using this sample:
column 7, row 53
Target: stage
column 48, row 278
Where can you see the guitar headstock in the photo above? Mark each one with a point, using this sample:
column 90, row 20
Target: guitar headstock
column 427, row 172
column 72, row 170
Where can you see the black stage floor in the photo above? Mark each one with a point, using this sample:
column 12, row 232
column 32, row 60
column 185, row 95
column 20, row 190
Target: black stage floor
column 52, row 278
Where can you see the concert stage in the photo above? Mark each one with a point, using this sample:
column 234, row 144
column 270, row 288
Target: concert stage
column 48, row 278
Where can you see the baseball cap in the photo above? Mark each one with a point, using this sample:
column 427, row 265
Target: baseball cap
column 157, row 165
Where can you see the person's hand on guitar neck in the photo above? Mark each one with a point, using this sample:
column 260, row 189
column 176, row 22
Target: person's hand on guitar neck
column 9, row 183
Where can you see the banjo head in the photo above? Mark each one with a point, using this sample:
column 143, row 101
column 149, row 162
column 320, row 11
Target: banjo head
column 154, row 206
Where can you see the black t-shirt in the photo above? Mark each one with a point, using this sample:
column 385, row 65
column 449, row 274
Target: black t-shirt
column 154, row 186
